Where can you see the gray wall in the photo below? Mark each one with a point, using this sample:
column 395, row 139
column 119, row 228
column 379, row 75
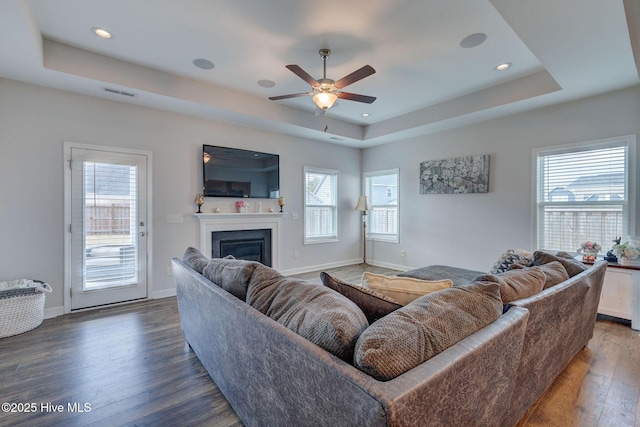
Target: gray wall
column 472, row 230
column 34, row 122
column 468, row 230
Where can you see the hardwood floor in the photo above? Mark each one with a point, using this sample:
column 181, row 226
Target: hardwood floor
column 131, row 365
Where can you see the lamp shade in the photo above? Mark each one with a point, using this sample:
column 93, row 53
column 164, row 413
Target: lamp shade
column 363, row 204
column 325, row 100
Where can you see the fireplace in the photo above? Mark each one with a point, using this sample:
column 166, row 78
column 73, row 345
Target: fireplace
column 251, row 245
column 216, row 222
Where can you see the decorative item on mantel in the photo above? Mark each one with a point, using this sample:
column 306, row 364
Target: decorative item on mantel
column 589, row 251
column 241, row 206
column 628, row 253
column 281, row 203
column 199, row 202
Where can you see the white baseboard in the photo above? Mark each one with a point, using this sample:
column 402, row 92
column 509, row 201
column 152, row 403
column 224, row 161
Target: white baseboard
column 165, row 293
column 310, row 268
column 51, row 312
column 389, row 265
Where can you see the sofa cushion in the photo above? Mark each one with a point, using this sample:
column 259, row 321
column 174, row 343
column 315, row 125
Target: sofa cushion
column 517, row 283
column 373, row 304
column 402, row 289
column 512, row 257
column 412, row 334
column 232, row 275
column 194, row 259
column 313, row 311
column 573, row 266
column 554, row 273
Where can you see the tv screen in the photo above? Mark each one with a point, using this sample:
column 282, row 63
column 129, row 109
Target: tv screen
column 232, row 172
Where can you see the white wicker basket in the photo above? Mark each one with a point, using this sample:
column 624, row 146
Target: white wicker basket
column 22, row 309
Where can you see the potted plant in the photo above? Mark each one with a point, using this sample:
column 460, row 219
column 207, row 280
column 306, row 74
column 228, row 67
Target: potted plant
column 241, row 206
column 628, row 252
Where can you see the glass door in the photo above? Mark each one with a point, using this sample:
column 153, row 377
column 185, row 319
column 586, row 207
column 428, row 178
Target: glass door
column 108, row 227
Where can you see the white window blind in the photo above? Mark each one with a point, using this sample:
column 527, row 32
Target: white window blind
column 110, row 255
column 382, row 188
column 320, row 205
column 582, row 194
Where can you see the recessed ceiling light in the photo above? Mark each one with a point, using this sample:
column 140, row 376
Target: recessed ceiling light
column 203, row 64
column 503, row 66
column 266, row 83
column 365, row 114
column 473, row 40
column 101, row 32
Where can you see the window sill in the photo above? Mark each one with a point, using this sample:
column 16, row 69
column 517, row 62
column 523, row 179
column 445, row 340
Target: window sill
column 317, row 241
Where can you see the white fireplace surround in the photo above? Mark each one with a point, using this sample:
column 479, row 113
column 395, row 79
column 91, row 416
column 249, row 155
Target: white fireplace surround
column 240, row 221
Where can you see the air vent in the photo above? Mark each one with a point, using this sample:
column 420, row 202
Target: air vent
column 119, row 92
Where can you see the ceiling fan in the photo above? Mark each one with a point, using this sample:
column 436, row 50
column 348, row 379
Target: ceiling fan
column 326, row 91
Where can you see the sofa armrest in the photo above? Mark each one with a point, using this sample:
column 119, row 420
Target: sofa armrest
column 470, row 383
column 561, row 321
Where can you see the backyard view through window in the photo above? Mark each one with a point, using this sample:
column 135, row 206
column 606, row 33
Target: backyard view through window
column 582, row 194
column 320, row 205
column 110, row 256
column 382, row 189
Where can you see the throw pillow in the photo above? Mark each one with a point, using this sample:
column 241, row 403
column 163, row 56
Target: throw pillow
column 232, row 275
column 512, row 257
column 429, row 325
column 517, row 283
column 402, row 289
column 194, row 259
column 373, row 304
column 572, row 265
column 313, row 311
column 554, row 272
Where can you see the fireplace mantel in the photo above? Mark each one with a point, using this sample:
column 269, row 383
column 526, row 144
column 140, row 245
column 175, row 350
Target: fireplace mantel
column 210, row 222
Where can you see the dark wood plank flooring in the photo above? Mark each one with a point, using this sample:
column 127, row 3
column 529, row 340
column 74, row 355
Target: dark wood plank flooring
column 130, row 363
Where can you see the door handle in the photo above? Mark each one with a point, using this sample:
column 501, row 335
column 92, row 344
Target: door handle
column 142, row 234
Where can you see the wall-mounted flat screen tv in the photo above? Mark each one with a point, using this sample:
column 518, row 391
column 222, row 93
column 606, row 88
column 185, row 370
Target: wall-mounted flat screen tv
column 232, row 172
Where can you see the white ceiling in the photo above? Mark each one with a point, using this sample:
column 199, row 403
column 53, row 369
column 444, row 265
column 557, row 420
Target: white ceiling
column 561, row 50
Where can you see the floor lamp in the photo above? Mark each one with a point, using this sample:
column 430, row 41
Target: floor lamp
column 363, row 206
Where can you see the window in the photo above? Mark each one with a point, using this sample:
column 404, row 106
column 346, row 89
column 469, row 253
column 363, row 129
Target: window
column 382, row 189
column 320, row 205
column 585, row 192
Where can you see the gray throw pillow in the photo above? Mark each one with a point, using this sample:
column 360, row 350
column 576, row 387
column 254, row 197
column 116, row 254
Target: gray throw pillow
column 373, row 304
column 573, row 266
column 517, row 283
column 194, row 259
column 315, row 312
column 232, row 275
column 425, row 327
column 554, row 272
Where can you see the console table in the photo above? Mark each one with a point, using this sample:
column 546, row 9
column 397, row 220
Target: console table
column 621, row 293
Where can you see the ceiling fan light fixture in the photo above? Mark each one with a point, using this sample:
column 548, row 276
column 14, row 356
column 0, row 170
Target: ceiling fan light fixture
column 325, row 100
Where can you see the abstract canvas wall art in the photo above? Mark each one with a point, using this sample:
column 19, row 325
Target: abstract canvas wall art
column 468, row 174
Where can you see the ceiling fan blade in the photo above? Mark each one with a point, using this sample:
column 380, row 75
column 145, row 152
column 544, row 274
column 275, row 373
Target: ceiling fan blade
column 293, row 95
column 359, row 74
column 302, row 74
column 355, row 97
